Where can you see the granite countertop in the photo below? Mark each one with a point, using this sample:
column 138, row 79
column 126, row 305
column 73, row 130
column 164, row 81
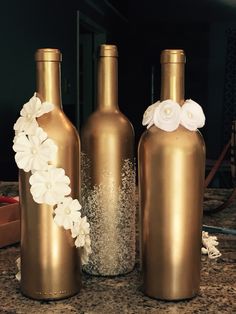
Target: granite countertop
column 123, row 294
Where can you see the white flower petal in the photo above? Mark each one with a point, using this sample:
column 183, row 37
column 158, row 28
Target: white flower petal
column 167, row 115
column 31, row 107
column 26, row 124
column 59, row 219
column 192, row 116
column 75, row 205
column 21, row 143
column 75, row 216
column 23, row 161
column 80, row 241
column 213, row 252
column 45, row 108
column 49, row 197
column 149, row 114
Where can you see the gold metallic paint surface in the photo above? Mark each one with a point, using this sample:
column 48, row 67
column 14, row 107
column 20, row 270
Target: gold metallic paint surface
column 50, row 266
column 108, row 180
column 172, row 78
column 108, row 51
column 172, row 56
column 171, row 177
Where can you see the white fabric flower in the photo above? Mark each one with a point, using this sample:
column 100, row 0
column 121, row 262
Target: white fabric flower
column 33, row 152
column 49, row 186
column 81, row 231
column 18, row 265
column 149, row 114
column 167, row 115
column 30, row 111
column 209, row 243
column 67, row 213
column 192, row 116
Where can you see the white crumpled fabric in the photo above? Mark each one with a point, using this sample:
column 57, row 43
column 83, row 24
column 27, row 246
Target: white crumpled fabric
column 209, row 245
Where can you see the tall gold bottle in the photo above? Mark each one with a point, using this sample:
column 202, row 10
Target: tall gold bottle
column 171, row 177
column 50, row 263
column 108, row 176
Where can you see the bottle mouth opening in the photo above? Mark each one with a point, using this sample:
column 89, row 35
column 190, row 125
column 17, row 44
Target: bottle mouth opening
column 173, row 56
column 48, row 54
column 108, row 51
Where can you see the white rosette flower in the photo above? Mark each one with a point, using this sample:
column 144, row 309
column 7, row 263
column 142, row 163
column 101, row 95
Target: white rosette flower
column 192, row 116
column 167, row 115
column 33, row 152
column 149, row 114
column 30, row 111
column 81, row 231
column 49, row 186
column 67, row 213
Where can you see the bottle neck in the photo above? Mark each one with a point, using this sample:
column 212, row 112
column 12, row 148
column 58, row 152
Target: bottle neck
column 172, row 82
column 48, row 82
column 108, row 84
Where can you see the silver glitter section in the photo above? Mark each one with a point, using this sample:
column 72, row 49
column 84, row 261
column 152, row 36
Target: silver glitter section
column 111, row 214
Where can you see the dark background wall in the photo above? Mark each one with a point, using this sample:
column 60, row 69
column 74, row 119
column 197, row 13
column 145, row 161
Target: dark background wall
column 141, row 30
column 26, row 26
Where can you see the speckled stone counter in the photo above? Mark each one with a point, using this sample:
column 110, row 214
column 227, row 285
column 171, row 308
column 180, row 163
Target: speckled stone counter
column 123, row 294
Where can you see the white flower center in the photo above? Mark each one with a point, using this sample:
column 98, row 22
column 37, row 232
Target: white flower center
column 34, row 151
column 168, row 111
column 67, row 211
column 49, row 185
column 190, row 115
column 28, row 116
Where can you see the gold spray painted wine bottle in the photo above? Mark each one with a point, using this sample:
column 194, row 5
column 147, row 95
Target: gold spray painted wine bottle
column 50, row 263
column 108, row 176
column 171, row 177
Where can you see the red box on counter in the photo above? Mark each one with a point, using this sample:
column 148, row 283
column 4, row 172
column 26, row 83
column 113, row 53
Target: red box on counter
column 9, row 224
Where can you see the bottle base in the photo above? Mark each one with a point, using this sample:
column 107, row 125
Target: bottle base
column 170, row 298
column 51, row 296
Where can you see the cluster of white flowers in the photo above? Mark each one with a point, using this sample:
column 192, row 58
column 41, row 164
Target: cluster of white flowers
column 168, row 115
column 49, row 184
column 209, row 245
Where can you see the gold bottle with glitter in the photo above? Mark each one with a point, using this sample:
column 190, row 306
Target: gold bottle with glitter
column 108, row 176
column 171, row 177
column 50, row 263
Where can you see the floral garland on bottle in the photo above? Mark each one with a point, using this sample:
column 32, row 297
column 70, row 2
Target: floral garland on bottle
column 49, row 184
column 168, row 115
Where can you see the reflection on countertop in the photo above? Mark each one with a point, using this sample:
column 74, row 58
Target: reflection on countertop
column 123, row 294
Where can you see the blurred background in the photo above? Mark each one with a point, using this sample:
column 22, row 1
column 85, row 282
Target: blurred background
column 205, row 29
